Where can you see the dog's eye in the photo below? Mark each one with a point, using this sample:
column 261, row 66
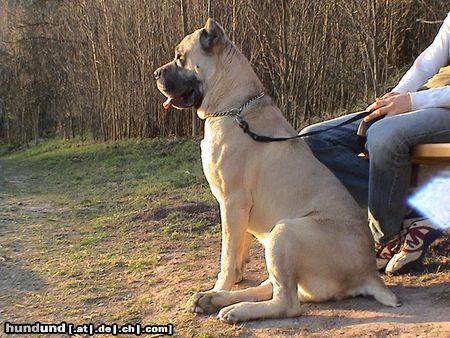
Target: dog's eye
column 180, row 59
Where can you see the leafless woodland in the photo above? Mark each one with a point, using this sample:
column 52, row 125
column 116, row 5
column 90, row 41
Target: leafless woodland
column 83, row 68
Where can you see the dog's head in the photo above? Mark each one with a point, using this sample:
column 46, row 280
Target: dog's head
column 185, row 80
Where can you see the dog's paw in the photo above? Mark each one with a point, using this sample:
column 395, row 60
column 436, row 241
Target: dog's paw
column 201, row 302
column 232, row 314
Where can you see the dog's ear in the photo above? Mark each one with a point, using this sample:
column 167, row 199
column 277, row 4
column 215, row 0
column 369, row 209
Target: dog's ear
column 212, row 35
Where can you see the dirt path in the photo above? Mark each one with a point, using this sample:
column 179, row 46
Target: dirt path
column 40, row 235
column 425, row 313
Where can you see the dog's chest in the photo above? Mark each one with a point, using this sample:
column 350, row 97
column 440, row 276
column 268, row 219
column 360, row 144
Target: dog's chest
column 212, row 157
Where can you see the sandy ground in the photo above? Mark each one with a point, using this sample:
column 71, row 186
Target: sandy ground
column 425, row 295
column 425, row 311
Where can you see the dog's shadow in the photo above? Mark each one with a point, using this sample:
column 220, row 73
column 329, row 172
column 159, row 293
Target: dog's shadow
column 420, row 304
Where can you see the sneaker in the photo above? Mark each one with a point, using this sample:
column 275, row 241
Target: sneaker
column 386, row 251
column 420, row 233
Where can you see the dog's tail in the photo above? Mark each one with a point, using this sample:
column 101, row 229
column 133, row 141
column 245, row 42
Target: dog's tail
column 376, row 288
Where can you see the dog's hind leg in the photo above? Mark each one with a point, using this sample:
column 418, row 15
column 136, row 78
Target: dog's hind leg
column 211, row 301
column 285, row 301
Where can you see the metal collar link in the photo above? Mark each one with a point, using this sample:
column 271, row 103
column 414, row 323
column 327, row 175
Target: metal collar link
column 235, row 111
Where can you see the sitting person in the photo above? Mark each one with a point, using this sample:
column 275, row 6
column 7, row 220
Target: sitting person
column 401, row 235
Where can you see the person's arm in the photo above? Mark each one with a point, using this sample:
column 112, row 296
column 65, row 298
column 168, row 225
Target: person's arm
column 428, row 63
column 434, row 97
column 405, row 97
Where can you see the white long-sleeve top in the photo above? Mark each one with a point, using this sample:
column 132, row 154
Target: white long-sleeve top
column 428, row 63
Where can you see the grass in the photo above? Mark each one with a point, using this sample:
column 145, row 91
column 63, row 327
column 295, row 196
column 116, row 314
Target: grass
column 70, row 217
column 109, row 232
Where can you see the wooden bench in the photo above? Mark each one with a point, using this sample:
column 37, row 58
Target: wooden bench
column 431, row 154
column 428, row 154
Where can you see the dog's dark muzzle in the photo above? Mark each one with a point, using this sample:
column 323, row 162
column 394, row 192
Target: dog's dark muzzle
column 179, row 85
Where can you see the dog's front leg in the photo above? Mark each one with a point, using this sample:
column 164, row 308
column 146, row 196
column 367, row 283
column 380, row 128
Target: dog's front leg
column 245, row 254
column 234, row 215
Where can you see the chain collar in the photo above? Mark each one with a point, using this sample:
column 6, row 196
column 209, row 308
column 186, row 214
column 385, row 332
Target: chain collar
column 235, row 111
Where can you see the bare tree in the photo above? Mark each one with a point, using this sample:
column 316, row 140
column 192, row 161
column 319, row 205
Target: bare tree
column 83, row 67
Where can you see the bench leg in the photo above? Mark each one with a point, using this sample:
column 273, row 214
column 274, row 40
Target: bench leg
column 414, row 175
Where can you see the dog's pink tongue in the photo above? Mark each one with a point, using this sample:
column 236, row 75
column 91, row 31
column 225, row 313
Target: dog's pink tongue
column 168, row 103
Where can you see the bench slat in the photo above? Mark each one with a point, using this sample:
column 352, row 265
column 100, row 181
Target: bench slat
column 432, row 153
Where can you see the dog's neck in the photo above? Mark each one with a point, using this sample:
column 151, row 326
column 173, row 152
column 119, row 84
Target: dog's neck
column 231, row 89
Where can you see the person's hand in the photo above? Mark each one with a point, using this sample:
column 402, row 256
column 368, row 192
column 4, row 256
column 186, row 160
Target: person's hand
column 389, row 104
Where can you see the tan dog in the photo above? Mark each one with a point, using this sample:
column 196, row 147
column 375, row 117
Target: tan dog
column 440, row 79
column 317, row 243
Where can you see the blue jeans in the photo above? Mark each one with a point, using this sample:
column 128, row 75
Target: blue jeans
column 381, row 183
